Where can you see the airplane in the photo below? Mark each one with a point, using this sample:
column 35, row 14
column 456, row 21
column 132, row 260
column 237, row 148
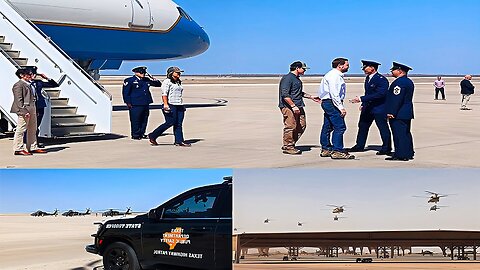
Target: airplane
column 267, row 221
column 71, row 213
column 40, row 213
column 337, row 209
column 112, row 212
column 300, row 224
column 100, row 35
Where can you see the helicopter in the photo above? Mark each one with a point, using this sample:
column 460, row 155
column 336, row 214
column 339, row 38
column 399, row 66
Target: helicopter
column 40, row 213
column 433, row 197
column 267, row 220
column 337, row 209
column 71, row 213
column 300, row 224
column 436, row 207
column 112, row 212
column 336, row 218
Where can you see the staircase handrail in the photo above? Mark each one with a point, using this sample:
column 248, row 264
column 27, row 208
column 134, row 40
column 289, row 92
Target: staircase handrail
column 50, row 41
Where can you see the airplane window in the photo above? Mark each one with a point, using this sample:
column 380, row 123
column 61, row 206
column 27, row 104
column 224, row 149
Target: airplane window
column 198, row 205
column 184, row 14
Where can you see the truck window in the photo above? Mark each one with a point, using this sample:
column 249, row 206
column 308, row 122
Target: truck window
column 197, row 205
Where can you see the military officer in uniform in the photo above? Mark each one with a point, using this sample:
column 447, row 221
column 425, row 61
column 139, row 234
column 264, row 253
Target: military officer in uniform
column 399, row 110
column 39, row 84
column 137, row 96
column 373, row 108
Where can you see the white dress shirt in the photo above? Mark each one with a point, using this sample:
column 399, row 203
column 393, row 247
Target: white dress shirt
column 333, row 87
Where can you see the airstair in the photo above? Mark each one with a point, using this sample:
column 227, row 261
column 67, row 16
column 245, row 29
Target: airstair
column 78, row 107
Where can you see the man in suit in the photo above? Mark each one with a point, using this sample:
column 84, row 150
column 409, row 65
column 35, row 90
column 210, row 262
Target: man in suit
column 24, row 98
column 137, row 96
column 466, row 89
column 399, row 110
column 373, row 108
column 39, row 84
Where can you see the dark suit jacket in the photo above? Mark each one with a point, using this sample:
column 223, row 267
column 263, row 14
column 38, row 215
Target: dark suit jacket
column 375, row 94
column 23, row 99
column 466, row 87
column 400, row 98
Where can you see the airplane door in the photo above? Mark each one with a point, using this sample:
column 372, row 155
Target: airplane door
column 141, row 14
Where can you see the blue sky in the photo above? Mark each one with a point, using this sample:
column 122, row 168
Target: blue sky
column 375, row 199
column 24, row 191
column 432, row 36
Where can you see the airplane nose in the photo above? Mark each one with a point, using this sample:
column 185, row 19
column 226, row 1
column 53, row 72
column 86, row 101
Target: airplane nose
column 196, row 38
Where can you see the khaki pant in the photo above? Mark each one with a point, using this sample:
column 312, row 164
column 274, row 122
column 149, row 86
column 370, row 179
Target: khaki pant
column 28, row 124
column 293, row 127
column 465, row 100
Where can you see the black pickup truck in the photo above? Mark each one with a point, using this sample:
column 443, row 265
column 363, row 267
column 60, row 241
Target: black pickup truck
column 193, row 230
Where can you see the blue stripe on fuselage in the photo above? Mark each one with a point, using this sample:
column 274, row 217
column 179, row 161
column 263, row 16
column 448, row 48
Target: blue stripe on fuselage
column 186, row 39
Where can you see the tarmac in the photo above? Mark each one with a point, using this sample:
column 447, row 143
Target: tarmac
column 235, row 123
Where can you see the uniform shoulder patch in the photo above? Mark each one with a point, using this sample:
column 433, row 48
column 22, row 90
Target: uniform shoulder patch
column 125, row 83
column 396, row 90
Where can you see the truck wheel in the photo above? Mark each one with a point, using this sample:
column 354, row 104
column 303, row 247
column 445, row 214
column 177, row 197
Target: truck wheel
column 120, row 256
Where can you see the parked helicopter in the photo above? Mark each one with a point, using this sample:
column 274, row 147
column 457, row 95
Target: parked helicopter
column 112, row 212
column 40, row 213
column 71, row 213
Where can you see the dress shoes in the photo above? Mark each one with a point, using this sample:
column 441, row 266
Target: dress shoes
column 384, row 153
column 183, row 144
column 396, row 159
column 152, row 141
column 38, row 151
column 22, row 153
column 144, row 137
column 136, row 138
column 40, row 145
column 356, row 149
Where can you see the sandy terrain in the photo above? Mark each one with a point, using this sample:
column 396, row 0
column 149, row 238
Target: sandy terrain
column 51, row 243
column 247, row 131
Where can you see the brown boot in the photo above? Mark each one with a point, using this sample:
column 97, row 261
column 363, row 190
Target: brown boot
column 292, row 151
column 326, row 153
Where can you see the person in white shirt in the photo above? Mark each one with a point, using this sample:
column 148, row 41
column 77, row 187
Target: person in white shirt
column 439, row 84
column 173, row 108
column 332, row 93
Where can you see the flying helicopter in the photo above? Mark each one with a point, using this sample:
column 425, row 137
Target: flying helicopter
column 436, row 207
column 336, row 218
column 72, row 213
column 300, row 224
column 337, row 209
column 433, row 197
column 40, row 213
column 112, row 212
column 267, row 220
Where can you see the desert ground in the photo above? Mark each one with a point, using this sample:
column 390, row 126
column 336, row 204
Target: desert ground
column 243, row 127
column 53, row 243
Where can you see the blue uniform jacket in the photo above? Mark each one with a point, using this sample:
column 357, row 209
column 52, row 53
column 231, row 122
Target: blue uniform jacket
column 39, row 85
column 136, row 91
column 400, row 98
column 375, row 94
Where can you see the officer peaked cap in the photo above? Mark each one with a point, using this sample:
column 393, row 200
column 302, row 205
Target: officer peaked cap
column 400, row 66
column 140, row 69
column 32, row 69
column 368, row 63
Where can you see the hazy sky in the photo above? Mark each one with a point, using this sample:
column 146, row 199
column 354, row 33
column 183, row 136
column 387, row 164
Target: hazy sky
column 379, row 199
column 24, row 191
column 247, row 36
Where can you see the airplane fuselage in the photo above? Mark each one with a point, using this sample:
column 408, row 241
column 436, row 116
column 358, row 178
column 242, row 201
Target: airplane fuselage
column 110, row 31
